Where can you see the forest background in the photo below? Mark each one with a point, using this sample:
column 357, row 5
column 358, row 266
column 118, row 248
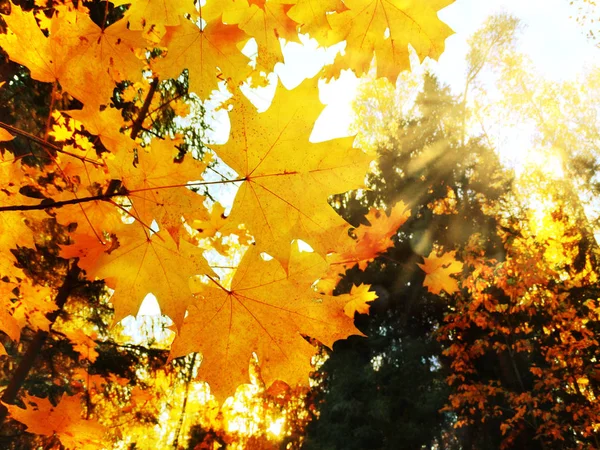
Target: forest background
column 483, row 333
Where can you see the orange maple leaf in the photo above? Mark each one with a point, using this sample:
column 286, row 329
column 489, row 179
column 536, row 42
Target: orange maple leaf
column 83, row 344
column 5, row 135
column 8, row 324
column 64, row 420
column 372, row 239
column 13, row 227
column 439, row 270
column 206, row 52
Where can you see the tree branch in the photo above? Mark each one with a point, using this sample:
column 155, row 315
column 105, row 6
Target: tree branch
column 47, row 204
column 139, row 121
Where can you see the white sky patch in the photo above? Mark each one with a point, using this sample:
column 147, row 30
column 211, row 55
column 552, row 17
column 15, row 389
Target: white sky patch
column 149, row 306
column 554, row 42
column 338, row 116
column 148, row 325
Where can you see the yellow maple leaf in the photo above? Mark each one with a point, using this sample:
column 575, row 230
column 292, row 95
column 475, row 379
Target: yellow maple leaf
column 98, row 57
column 156, row 185
column 26, row 44
column 358, row 299
column 61, row 133
column 287, row 179
column 162, row 13
column 266, row 21
column 266, row 311
column 439, row 270
column 312, row 17
column 145, row 264
column 106, row 124
column 385, row 28
column 210, row 227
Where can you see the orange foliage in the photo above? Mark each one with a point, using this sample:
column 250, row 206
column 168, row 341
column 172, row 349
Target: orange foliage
column 530, row 315
column 129, row 198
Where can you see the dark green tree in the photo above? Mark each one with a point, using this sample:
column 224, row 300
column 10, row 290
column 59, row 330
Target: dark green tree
column 385, row 391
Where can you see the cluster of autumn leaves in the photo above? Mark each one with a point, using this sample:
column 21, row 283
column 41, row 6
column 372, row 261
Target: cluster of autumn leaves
column 534, row 312
column 142, row 229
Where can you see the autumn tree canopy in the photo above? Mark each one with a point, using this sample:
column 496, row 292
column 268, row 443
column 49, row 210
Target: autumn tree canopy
column 395, row 289
column 99, row 185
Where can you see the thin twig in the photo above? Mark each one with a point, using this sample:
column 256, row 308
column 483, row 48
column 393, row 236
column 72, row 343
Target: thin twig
column 46, row 144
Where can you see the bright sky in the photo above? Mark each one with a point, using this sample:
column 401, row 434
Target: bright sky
column 555, row 43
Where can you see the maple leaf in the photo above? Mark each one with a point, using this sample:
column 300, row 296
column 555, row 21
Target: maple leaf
column 357, row 299
column 145, row 264
column 371, row 239
column 438, row 270
column 287, row 179
column 312, row 16
column 156, row 185
column 83, row 344
column 64, row 420
column 210, row 227
column 26, row 44
column 266, row 21
column 206, row 52
column 108, row 54
column 266, row 311
column 385, row 28
column 8, row 324
column 86, row 59
column 13, row 224
column 146, row 13
column 36, row 302
column 106, row 124
column 5, row 135
column 61, row 133
column 93, row 219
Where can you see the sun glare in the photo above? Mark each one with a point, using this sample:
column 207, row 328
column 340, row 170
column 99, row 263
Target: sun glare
column 548, row 161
